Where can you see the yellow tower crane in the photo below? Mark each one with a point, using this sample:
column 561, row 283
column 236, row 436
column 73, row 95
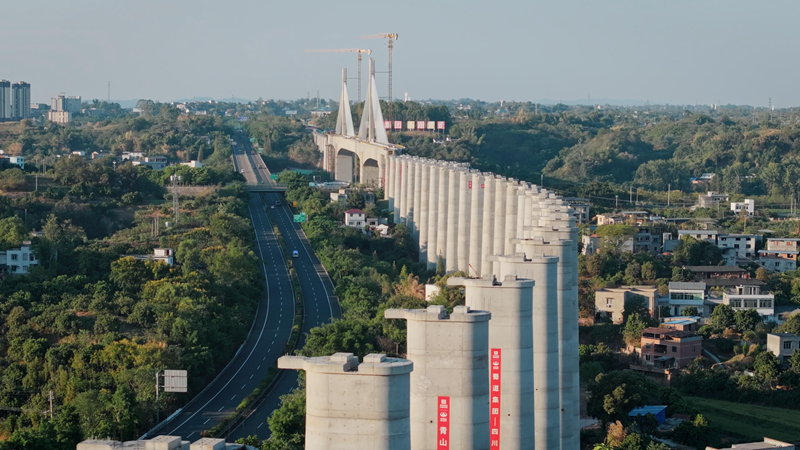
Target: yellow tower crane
column 392, row 37
column 359, row 51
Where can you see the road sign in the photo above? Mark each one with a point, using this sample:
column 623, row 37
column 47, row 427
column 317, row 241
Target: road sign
column 300, row 217
column 252, row 139
column 175, row 381
column 273, row 176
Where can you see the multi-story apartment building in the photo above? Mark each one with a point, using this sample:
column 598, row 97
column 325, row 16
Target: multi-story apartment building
column 610, row 302
column 748, row 206
column 21, row 102
column 59, row 117
column 580, row 206
column 5, row 101
column 685, row 294
column 750, row 297
column 17, row 261
column 711, row 199
column 670, row 347
column 63, row 103
column 700, row 235
column 783, row 345
column 738, row 246
column 780, row 255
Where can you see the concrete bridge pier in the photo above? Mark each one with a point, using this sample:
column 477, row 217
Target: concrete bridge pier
column 424, row 210
column 451, row 238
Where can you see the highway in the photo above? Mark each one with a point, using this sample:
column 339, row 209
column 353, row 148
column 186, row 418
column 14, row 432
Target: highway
column 319, row 301
column 270, row 332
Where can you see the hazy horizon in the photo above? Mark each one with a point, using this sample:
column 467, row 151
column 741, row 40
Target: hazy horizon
column 680, row 53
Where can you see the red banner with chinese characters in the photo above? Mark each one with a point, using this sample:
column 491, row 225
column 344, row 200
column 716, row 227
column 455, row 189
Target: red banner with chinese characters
column 387, row 124
column 443, row 423
column 398, row 124
column 494, row 395
column 440, row 125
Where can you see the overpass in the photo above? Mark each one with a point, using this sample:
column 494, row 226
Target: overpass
column 482, row 224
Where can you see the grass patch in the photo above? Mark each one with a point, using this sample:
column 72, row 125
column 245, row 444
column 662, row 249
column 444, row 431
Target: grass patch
column 750, row 422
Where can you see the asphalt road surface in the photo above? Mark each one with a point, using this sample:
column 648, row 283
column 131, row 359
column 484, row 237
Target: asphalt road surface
column 270, row 330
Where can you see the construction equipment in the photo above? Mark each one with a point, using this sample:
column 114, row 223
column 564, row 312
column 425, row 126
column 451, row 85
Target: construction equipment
column 392, row 37
column 348, row 50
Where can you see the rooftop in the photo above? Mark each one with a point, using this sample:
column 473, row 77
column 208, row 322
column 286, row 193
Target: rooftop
column 730, row 282
column 687, row 285
column 716, row 269
column 652, row 409
column 667, row 332
column 698, row 232
column 354, row 211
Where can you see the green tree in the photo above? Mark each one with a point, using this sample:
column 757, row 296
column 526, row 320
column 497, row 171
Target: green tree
column 12, row 232
column 746, row 319
column 355, row 200
column 794, row 361
column 766, row 365
column 633, row 329
column 693, row 252
column 287, row 423
column 615, row 394
column 722, row 317
column 614, row 236
column 648, row 271
column 690, row 311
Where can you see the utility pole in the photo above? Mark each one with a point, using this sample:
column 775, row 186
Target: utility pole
column 616, row 201
column 541, row 182
column 175, row 203
column 157, row 421
column 51, row 404
column 630, row 195
column 669, row 191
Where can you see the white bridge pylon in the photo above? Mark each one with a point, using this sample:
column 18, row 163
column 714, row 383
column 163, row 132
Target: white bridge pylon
column 361, row 157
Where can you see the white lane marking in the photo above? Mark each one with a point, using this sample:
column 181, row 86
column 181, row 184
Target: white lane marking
column 263, row 327
column 272, row 343
column 251, row 377
column 259, row 366
column 246, row 383
column 234, row 396
column 259, row 425
column 263, row 358
column 190, row 434
column 206, row 421
column 220, row 408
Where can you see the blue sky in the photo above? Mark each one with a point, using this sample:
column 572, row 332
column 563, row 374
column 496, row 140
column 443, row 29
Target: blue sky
column 676, row 51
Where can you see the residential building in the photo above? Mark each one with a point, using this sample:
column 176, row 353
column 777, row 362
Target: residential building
column 591, row 244
column 767, row 444
column 685, row 294
column 748, row 206
column 5, row 101
column 780, row 255
column 738, row 246
column 133, row 156
column 21, row 100
column 99, row 155
column 750, row 297
column 63, row 103
column 355, row 218
column 18, row 261
column 700, row 235
column 610, row 302
column 669, row 346
column 783, row 244
column 643, row 241
column 683, row 323
column 658, row 411
column 610, row 219
column 165, row 255
column 193, row 164
column 711, row 199
column 702, row 179
column 341, row 195
column 668, row 243
column 59, row 117
column 580, row 208
column 716, row 272
column 18, row 161
column 783, row 345
column 154, row 162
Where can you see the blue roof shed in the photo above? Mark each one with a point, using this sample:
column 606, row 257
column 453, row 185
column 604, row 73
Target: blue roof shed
column 660, row 411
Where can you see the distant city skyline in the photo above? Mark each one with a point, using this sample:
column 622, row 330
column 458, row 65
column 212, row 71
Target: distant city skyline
column 680, row 52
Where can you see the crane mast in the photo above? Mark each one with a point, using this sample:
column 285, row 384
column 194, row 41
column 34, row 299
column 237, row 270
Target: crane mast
column 359, row 51
column 392, row 37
